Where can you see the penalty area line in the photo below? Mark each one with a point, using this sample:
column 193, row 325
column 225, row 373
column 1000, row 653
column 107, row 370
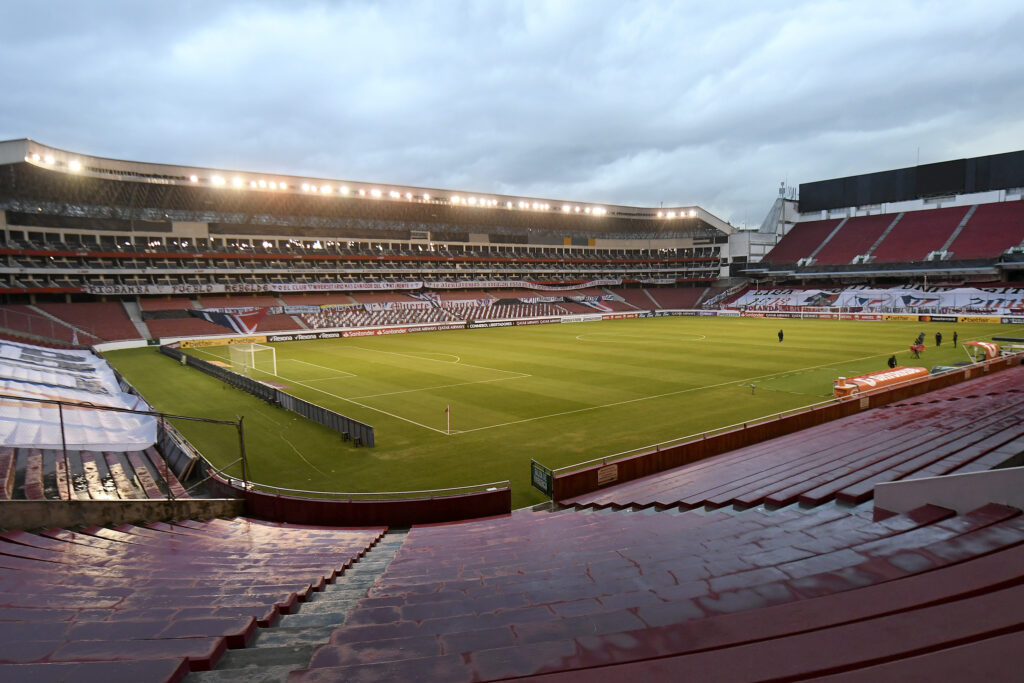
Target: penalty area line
column 347, row 400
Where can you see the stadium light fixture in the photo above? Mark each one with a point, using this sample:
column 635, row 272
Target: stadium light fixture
column 471, row 201
column 273, row 185
column 252, row 184
column 75, row 165
column 455, row 199
column 305, row 187
column 193, row 179
column 671, row 214
column 262, row 184
column 426, row 197
column 237, row 182
column 314, row 188
column 577, row 209
column 408, row 195
column 343, row 189
column 326, row 189
column 375, row 193
column 35, row 157
column 394, row 194
column 218, row 180
column 660, row 215
column 49, row 160
column 693, row 212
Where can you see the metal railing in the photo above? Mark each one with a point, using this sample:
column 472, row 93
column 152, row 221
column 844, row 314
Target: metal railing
column 162, row 423
column 427, row 494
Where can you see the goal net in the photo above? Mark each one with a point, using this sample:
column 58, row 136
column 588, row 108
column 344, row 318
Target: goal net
column 247, row 358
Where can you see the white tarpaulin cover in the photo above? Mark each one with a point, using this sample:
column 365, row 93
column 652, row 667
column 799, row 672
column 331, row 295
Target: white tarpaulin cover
column 74, row 376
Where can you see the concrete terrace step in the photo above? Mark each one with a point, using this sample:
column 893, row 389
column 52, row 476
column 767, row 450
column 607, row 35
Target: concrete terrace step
column 278, row 650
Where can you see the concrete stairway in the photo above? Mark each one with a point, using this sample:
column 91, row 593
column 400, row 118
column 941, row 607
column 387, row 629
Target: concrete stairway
column 288, row 645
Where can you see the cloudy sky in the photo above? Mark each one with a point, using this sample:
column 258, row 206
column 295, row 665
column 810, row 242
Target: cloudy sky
column 643, row 103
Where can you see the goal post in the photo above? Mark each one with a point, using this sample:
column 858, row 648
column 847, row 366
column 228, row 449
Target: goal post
column 246, row 358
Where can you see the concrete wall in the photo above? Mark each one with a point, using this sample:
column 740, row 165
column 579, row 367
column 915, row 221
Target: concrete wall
column 50, row 514
column 960, row 492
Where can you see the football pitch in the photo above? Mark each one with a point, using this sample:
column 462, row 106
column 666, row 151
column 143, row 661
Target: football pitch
column 468, row 407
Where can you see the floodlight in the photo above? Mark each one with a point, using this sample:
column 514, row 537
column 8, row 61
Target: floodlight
column 326, row 189
column 426, row 197
column 314, row 188
column 693, row 212
column 282, row 186
column 659, row 214
column 263, row 183
column 305, row 187
column 218, row 180
column 48, row 159
column 408, row 195
column 35, row 157
column 252, row 184
column 472, row 200
column 273, row 185
column 375, row 193
column 193, row 178
column 455, row 199
column 343, row 189
column 237, row 182
column 75, row 165
column 671, row 214
column 394, row 194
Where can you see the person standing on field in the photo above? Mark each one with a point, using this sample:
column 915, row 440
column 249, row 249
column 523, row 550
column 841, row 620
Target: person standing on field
column 938, row 339
column 780, row 336
column 954, row 338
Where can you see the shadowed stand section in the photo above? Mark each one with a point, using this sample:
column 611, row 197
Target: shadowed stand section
column 539, row 592
column 288, row 644
column 158, row 598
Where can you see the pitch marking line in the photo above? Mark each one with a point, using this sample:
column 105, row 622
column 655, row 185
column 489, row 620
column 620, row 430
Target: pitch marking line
column 447, row 362
column 440, row 386
column 344, row 373
column 670, row 393
column 634, row 340
column 334, row 395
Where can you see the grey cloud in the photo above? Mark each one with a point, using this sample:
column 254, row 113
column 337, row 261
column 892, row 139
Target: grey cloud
column 634, row 103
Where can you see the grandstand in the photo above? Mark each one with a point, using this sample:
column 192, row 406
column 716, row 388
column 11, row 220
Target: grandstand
column 761, row 551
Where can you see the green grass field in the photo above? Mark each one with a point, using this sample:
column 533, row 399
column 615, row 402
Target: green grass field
column 559, row 394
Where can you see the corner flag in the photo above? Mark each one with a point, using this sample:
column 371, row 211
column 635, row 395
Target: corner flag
column 448, row 414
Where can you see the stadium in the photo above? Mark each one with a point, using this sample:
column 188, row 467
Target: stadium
column 271, row 427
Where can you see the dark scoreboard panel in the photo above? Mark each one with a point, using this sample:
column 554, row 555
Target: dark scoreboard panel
column 978, row 174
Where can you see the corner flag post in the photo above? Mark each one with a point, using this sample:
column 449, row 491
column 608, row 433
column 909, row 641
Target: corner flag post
column 448, row 414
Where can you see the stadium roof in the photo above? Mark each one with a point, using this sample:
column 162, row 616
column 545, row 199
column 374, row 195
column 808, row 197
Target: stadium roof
column 269, row 185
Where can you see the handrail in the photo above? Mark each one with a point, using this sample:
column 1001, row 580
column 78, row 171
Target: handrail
column 433, row 493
